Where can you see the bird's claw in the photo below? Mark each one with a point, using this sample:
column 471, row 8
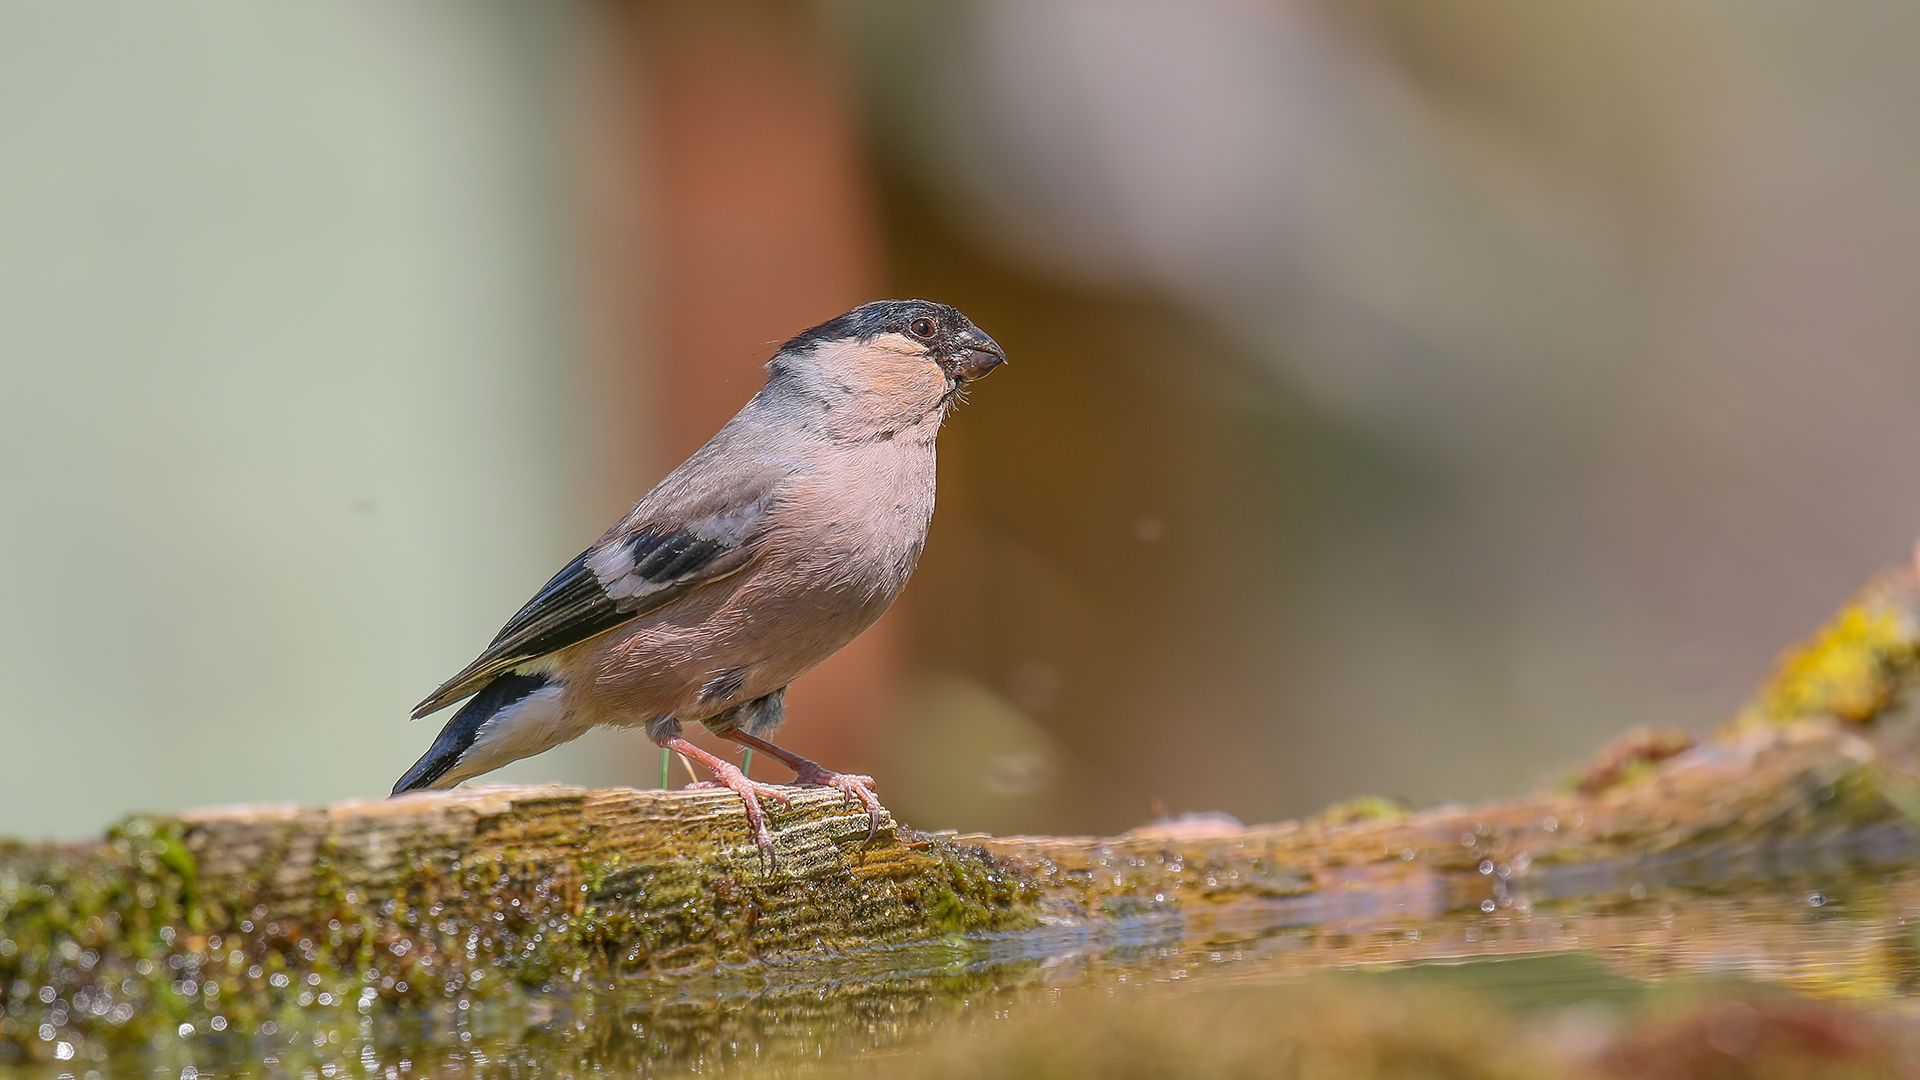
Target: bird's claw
column 855, row 790
column 750, row 792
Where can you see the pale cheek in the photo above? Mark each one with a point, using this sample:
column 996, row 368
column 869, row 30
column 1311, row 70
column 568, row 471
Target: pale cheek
column 891, row 366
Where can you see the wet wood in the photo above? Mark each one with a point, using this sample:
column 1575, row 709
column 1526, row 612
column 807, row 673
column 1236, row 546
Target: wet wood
column 276, row 914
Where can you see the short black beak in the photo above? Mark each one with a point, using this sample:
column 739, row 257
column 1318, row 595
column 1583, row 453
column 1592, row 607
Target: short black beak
column 977, row 354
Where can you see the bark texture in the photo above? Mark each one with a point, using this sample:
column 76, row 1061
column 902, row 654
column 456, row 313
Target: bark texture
column 241, row 917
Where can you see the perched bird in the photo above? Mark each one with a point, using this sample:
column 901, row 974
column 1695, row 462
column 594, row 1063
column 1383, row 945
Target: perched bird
column 769, row 549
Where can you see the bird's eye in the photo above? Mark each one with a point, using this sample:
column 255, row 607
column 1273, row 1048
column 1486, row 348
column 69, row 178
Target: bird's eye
column 921, row 328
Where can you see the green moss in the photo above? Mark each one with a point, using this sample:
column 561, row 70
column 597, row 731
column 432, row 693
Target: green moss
column 1901, row 791
column 1857, row 796
column 1629, row 759
column 975, row 894
column 121, row 946
column 1360, row 808
column 90, row 931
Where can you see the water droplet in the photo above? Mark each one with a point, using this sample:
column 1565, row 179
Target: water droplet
column 1816, row 899
column 1488, row 906
column 1486, row 866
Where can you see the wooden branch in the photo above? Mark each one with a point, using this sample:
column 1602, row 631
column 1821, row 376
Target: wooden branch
column 239, row 917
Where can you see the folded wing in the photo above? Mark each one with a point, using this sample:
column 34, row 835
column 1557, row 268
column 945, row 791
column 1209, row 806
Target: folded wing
column 644, row 564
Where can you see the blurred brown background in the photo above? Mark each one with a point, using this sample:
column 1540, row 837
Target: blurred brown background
column 1403, row 397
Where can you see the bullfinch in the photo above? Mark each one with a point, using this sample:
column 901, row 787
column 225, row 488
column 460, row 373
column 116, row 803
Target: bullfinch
column 763, row 554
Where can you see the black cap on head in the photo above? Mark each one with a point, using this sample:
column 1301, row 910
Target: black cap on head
column 962, row 349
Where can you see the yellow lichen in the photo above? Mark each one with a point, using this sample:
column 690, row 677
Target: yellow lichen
column 1855, row 668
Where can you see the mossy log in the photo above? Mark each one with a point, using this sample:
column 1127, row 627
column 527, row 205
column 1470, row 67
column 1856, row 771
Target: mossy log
column 244, row 917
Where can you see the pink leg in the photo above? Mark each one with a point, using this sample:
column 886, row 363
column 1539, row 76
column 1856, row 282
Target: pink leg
column 729, row 776
column 857, row 790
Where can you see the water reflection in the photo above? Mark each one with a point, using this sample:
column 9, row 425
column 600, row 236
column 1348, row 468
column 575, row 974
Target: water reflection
column 1579, row 963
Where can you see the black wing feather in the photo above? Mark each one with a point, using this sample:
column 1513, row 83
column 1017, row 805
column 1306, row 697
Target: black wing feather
column 570, row 608
column 659, row 566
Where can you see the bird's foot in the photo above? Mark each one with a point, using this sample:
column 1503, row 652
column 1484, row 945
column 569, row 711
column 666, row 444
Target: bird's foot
column 728, row 775
column 854, row 789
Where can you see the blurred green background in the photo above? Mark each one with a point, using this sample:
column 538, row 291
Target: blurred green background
column 1404, row 396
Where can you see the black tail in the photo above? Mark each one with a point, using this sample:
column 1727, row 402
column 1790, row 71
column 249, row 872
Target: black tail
column 464, row 729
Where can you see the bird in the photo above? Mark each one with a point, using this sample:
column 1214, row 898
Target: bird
column 767, row 551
